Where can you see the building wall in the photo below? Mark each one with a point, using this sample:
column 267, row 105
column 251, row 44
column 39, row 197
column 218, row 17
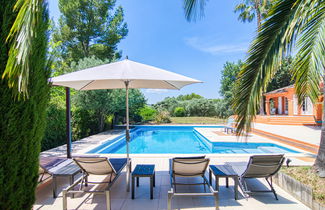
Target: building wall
column 289, row 93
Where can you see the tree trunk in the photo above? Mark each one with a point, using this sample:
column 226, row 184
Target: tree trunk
column 262, row 105
column 259, row 19
column 101, row 122
column 319, row 164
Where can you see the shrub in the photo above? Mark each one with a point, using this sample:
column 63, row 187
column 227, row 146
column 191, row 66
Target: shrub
column 147, row 113
column 109, row 122
column 55, row 128
column 179, row 112
column 22, row 121
column 163, row 117
column 201, row 108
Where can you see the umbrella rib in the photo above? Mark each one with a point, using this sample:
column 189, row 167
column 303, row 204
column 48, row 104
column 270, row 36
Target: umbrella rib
column 87, row 84
column 172, row 85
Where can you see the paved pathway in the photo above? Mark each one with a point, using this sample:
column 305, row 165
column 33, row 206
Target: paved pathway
column 309, row 134
column 122, row 200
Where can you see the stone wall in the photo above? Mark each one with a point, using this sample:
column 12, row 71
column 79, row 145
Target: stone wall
column 300, row 191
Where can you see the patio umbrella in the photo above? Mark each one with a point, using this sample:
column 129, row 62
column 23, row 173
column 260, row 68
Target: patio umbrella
column 122, row 74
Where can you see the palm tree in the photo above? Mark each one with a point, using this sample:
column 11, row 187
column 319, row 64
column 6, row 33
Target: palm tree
column 291, row 25
column 20, row 38
column 249, row 9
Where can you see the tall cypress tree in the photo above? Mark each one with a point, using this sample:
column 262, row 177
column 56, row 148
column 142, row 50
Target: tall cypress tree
column 22, row 120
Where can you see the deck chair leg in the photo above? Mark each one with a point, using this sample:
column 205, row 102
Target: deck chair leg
column 174, row 183
column 169, row 199
column 82, row 182
column 272, row 188
column 216, row 199
column 86, row 181
column 64, row 199
column 108, row 200
column 243, row 187
column 41, row 178
column 204, row 183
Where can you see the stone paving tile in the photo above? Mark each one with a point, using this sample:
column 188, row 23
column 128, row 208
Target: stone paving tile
column 120, row 199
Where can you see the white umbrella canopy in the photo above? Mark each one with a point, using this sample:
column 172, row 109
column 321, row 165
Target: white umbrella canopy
column 114, row 76
column 122, row 74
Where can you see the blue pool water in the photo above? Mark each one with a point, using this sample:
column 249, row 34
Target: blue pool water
column 181, row 140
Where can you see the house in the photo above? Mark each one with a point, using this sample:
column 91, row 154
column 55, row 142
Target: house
column 281, row 107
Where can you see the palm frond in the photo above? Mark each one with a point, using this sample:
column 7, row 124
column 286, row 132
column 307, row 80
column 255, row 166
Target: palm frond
column 275, row 38
column 247, row 14
column 309, row 64
column 20, row 38
column 240, row 7
column 194, row 9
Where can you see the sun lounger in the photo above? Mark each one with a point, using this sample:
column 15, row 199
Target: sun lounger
column 259, row 166
column 189, row 167
column 46, row 164
column 96, row 166
column 230, row 125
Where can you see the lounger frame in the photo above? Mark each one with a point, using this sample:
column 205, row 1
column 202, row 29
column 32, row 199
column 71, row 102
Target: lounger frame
column 172, row 193
column 268, row 176
column 84, row 179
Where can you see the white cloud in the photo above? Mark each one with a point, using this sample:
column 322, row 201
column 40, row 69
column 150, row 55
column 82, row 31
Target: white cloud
column 212, row 47
column 156, row 91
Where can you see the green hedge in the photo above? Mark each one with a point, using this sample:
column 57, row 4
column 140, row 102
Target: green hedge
column 22, row 121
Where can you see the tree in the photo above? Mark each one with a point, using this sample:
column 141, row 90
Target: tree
column 188, row 97
column 275, row 39
column 229, row 76
column 23, row 119
column 201, row 107
column 179, row 112
column 249, row 9
column 87, row 36
column 168, row 104
column 91, row 108
column 90, row 28
column 147, row 113
column 136, row 102
column 283, row 76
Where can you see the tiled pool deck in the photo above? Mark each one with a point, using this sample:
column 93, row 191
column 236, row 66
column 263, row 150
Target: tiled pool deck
column 122, row 199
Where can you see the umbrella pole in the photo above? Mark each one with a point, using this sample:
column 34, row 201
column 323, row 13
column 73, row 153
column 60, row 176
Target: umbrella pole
column 68, row 121
column 127, row 135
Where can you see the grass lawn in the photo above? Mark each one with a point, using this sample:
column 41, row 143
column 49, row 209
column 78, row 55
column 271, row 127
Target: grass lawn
column 305, row 175
column 197, row 120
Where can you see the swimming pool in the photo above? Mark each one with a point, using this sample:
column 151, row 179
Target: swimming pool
column 181, row 140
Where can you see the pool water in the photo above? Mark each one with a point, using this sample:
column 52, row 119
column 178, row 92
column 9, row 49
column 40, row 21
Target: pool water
column 181, row 140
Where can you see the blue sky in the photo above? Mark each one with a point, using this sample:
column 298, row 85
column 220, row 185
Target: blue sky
column 160, row 36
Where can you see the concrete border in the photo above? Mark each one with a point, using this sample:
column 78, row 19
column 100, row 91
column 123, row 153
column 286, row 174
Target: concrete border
column 298, row 190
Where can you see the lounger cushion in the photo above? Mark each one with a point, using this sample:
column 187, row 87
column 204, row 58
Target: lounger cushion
column 118, row 163
column 95, row 165
column 47, row 163
column 189, row 166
